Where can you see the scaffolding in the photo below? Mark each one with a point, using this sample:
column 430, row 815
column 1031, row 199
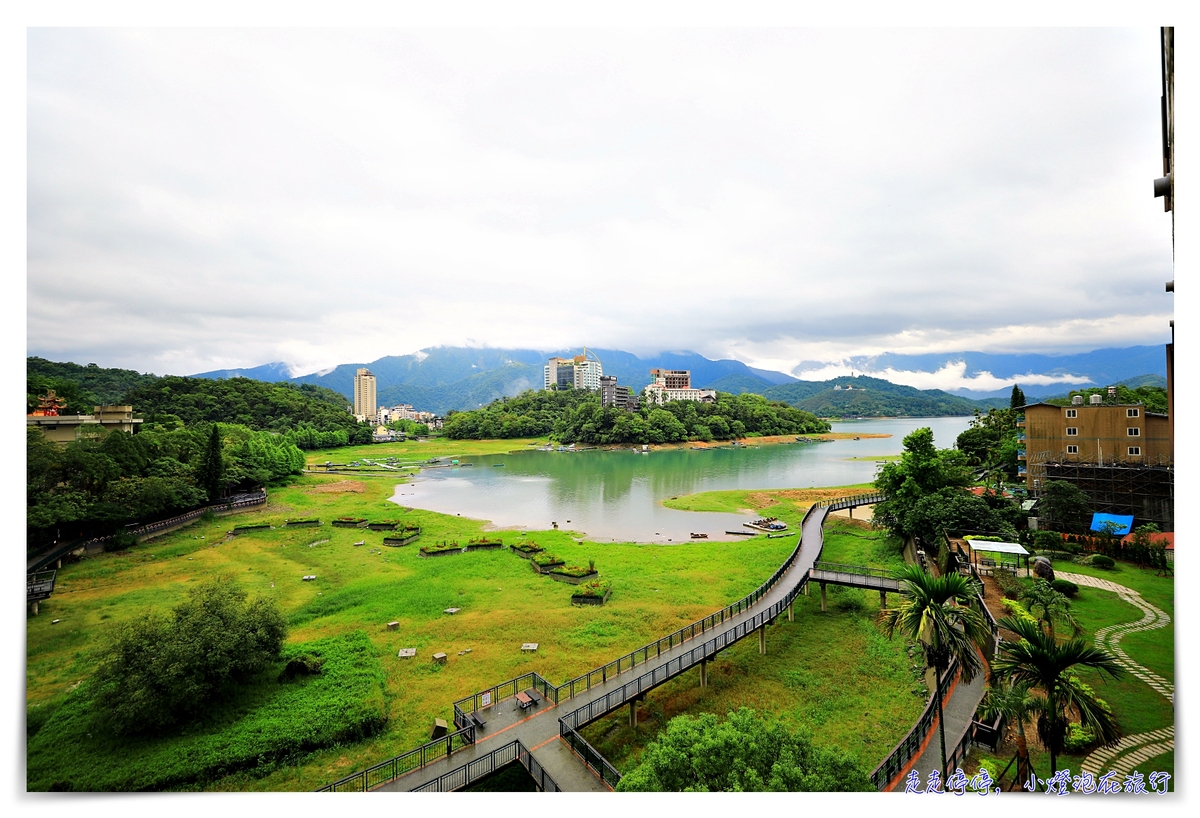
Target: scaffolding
column 1147, row 491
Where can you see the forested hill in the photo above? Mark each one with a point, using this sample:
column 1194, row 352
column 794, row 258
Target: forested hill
column 862, row 396
column 83, row 387
column 312, row 416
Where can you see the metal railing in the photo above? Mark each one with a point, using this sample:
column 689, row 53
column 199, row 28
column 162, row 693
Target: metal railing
column 856, row 570
column 397, row 766
column 472, row 771
column 590, row 755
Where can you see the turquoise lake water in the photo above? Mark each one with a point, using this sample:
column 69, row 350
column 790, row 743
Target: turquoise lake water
column 617, row 495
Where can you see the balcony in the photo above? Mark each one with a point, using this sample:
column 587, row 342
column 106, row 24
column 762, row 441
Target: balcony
column 1020, row 454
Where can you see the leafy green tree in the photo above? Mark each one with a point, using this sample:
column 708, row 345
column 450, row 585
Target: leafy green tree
column 1049, row 606
column 1043, row 664
column 938, row 613
column 160, row 671
column 1066, row 505
column 744, row 753
column 921, row 470
column 952, row 509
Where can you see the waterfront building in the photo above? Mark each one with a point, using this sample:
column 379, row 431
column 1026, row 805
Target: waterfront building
column 364, row 395
column 579, row 372
column 675, row 384
column 619, row 397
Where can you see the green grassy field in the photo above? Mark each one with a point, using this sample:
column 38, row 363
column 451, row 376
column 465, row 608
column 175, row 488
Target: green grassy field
column 502, row 603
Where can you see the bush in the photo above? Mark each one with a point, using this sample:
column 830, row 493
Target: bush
column 1079, row 739
column 1065, row 587
column 743, row 753
column 162, row 670
column 1101, row 561
column 1011, row 586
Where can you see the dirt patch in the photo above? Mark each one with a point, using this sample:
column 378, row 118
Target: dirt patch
column 805, row 496
column 340, row 487
column 992, row 597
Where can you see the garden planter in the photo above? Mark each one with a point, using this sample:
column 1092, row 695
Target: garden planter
column 591, row 600
column 483, row 546
column 382, row 526
column 242, row 529
column 350, row 523
column 301, row 523
column 573, row 580
column 546, row 569
column 441, row 552
column 403, row 539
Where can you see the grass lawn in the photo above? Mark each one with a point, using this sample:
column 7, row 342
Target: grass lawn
column 788, row 505
column 502, row 602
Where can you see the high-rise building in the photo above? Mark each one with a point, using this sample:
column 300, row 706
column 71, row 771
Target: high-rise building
column 619, row 397
column 364, row 395
column 579, row 372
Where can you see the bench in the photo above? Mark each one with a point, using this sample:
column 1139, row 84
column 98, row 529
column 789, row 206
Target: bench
column 479, row 721
column 524, row 701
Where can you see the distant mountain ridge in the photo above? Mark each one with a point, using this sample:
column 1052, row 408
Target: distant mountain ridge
column 440, row 379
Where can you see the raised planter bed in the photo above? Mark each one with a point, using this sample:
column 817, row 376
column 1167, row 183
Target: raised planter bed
column 526, row 550
column 299, row 523
column 441, row 549
column 483, row 545
column 383, row 525
column 593, row 592
column 559, row 575
column 403, row 537
column 544, row 562
column 244, row 529
column 350, row 522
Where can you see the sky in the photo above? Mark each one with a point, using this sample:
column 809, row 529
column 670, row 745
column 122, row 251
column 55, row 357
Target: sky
column 204, row 198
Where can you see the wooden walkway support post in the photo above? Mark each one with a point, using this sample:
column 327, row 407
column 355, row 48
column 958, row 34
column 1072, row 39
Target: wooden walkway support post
column 791, row 613
column 704, row 673
column 762, row 639
column 882, row 599
column 633, row 712
column 822, row 597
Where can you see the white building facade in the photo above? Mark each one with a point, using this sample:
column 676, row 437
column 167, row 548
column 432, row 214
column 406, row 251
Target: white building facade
column 675, row 384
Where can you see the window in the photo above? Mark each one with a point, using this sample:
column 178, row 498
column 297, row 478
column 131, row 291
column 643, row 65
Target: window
column 1072, row 450
column 1136, row 451
column 1132, row 413
column 1133, row 431
column 1072, row 413
column 1072, row 431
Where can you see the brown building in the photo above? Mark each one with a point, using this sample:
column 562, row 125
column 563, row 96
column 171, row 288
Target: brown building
column 1119, row 455
column 672, row 378
column 66, row 428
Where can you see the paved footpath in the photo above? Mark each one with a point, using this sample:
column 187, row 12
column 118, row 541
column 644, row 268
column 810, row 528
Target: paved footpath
column 1131, row 750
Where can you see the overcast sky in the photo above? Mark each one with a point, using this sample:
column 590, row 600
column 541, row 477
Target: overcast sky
column 206, row 198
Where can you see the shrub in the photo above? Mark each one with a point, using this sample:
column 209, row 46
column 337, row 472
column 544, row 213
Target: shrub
column 1049, row 541
column 1010, row 585
column 1079, row 738
column 1065, row 587
column 303, row 665
column 120, row 542
column 162, row 670
column 1101, row 561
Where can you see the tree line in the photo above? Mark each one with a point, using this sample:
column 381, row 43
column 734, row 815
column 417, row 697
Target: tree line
column 572, row 416
column 97, row 484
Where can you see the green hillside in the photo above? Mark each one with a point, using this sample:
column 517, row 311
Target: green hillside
column 862, row 396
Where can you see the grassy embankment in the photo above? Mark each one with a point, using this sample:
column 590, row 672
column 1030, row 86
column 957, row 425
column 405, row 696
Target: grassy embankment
column 656, row 589
column 1137, row 706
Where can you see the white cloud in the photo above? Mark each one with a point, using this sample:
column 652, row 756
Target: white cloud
column 326, row 196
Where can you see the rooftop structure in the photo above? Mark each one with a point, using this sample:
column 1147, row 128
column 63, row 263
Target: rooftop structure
column 579, row 372
column 67, row 428
column 675, row 384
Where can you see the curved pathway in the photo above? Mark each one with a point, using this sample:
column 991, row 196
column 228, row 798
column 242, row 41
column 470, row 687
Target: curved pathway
column 1131, row 750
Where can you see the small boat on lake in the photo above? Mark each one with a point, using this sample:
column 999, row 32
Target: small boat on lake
column 696, row 536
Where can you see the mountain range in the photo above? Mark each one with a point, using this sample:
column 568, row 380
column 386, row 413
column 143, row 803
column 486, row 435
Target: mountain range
column 440, row 379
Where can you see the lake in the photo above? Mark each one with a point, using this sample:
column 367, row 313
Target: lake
column 617, row 495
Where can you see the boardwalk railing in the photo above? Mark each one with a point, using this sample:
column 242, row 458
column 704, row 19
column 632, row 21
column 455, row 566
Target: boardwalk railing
column 484, row 766
column 590, row 755
column 397, row 766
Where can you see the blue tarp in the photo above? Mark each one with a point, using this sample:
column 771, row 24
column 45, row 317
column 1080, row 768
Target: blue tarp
column 1124, row 523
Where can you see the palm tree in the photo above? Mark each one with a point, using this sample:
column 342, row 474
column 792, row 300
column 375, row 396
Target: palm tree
column 1016, row 703
column 1048, row 606
column 1043, row 664
column 937, row 612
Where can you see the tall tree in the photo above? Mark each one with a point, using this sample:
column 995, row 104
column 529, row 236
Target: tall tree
column 937, row 612
column 212, row 468
column 1017, row 400
column 1017, row 704
column 922, row 470
column 1040, row 662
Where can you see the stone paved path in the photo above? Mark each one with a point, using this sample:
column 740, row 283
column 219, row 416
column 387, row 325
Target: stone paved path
column 1131, row 750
